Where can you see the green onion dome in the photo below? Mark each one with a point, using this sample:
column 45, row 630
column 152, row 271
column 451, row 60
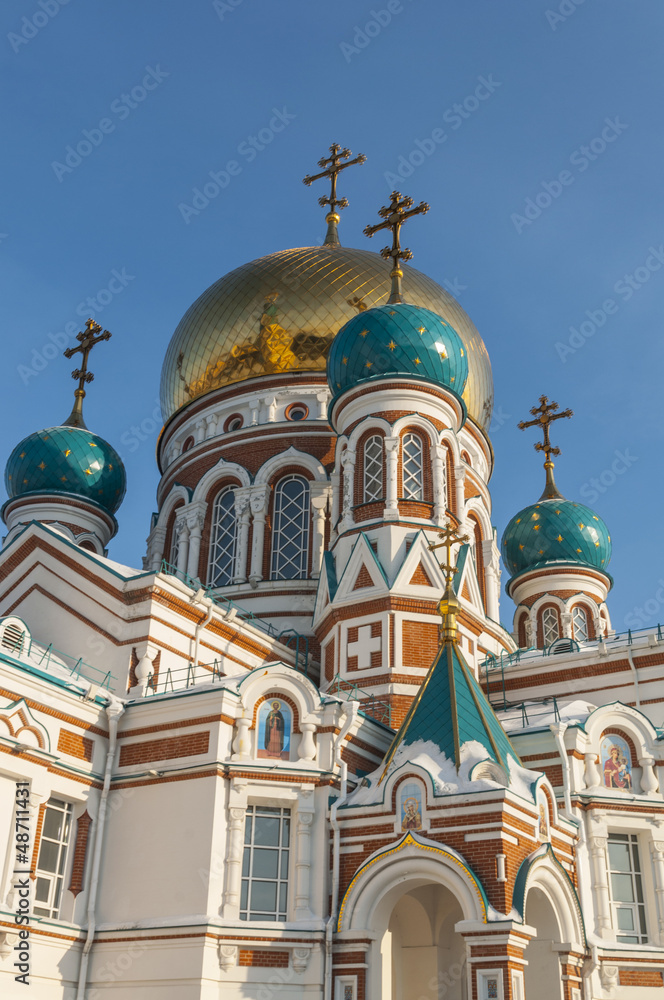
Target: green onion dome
column 67, row 460
column 397, row 339
column 555, row 530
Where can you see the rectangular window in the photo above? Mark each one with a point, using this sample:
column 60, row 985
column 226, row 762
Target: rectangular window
column 265, row 864
column 52, row 859
column 626, row 884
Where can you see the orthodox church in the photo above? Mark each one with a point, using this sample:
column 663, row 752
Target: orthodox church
column 292, row 751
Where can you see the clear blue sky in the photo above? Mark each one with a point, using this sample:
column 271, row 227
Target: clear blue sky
column 217, row 71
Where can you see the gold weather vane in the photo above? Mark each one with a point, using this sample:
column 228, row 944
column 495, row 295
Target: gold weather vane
column 332, row 167
column 448, row 605
column 544, row 416
column 395, row 215
column 92, row 336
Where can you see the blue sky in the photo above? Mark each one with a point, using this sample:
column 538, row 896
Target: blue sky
column 566, row 129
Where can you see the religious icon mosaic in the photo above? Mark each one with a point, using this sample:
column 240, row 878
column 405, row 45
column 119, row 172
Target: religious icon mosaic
column 275, row 724
column 616, row 762
column 410, row 799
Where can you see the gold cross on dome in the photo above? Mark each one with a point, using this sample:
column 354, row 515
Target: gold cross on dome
column 332, row 167
column 544, row 415
column 395, row 214
column 88, row 339
column 449, row 536
column 449, row 605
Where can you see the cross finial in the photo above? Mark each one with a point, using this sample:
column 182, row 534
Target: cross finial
column 395, row 214
column 449, row 605
column 544, row 415
column 332, row 167
column 88, row 339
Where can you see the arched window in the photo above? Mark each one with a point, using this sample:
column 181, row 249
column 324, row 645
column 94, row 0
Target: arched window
column 221, row 567
column 580, row 623
column 412, row 465
column 521, row 631
column 550, row 628
column 373, row 469
column 478, row 556
column 290, row 536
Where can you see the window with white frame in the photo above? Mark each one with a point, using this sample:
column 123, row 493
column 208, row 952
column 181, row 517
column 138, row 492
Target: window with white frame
column 580, row 623
column 221, row 568
column 175, row 545
column 490, row 985
column 626, row 887
column 412, row 465
column 345, row 988
column 550, row 628
column 290, row 535
column 52, row 860
column 373, row 469
column 265, row 864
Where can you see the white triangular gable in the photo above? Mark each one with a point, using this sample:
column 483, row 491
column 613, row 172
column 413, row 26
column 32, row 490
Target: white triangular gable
column 362, row 556
column 469, row 584
column 323, row 596
column 419, row 552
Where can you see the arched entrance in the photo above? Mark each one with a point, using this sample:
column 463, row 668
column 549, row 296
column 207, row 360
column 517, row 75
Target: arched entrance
column 422, row 956
column 542, row 974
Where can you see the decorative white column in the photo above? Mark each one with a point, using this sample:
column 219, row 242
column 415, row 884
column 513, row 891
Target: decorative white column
column 255, row 407
column 271, row 403
column 335, row 479
column 242, row 514
column 155, row 552
column 258, row 502
column 307, row 748
column 144, row 669
column 460, row 479
column 439, row 469
column 391, row 512
column 348, row 462
column 593, row 777
column 320, row 496
column 236, row 816
column 657, row 854
column 242, row 742
column 566, row 618
column 183, row 544
column 211, row 428
column 597, row 846
column 200, row 431
column 491, row 557
column 322, row 398
column 649, row 783
column 195, row 522
column 305, row 818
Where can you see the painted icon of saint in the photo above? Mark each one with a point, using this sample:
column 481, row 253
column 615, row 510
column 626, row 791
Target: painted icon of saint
column 411, row 817
column 617, row 769
column 275, row 728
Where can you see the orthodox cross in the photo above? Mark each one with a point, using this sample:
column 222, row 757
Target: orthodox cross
column 88, row 339
column 332, row 167
column 544, row 415
column 395, row 214
column 449, row 605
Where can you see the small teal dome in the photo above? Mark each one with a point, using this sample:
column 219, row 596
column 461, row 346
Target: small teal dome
column 555, row 530
column 397, row 339
column 67, row 460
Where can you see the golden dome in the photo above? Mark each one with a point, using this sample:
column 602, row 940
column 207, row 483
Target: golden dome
column 281, row 312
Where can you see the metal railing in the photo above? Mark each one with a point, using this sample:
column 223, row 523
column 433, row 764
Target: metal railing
column 378, row 708
column 181, row 678
column 54, row 661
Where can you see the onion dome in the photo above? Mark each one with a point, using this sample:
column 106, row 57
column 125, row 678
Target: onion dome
column 397, row 339
column 67, row 460
column 555, row 530
column 280, row 314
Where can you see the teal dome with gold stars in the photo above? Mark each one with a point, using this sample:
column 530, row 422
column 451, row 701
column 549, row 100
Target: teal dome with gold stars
column 397, row 339
column 67, row 460
column 555, row 530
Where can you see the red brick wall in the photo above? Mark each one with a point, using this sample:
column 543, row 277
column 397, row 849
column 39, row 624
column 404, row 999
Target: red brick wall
column 165, row 749
column 263, row 958
column 420, row 643
column 641, row 977
column 75, row 745
column 80, row 847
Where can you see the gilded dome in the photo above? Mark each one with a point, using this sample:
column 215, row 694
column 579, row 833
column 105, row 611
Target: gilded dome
column 280, row 313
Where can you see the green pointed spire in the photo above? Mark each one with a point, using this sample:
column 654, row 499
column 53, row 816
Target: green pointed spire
column 450, row 708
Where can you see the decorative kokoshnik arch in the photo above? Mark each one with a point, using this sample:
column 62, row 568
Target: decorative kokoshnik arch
column 412, row 859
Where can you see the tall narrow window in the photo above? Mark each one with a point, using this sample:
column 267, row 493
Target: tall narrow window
column 175, row 545
column 224, row 535
column 373, row 468
column 264, row 894
column 290, row 536
column 52, row 859
column 580, row 622
column 550, row 629
column 628, row 904
column 413, row 467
